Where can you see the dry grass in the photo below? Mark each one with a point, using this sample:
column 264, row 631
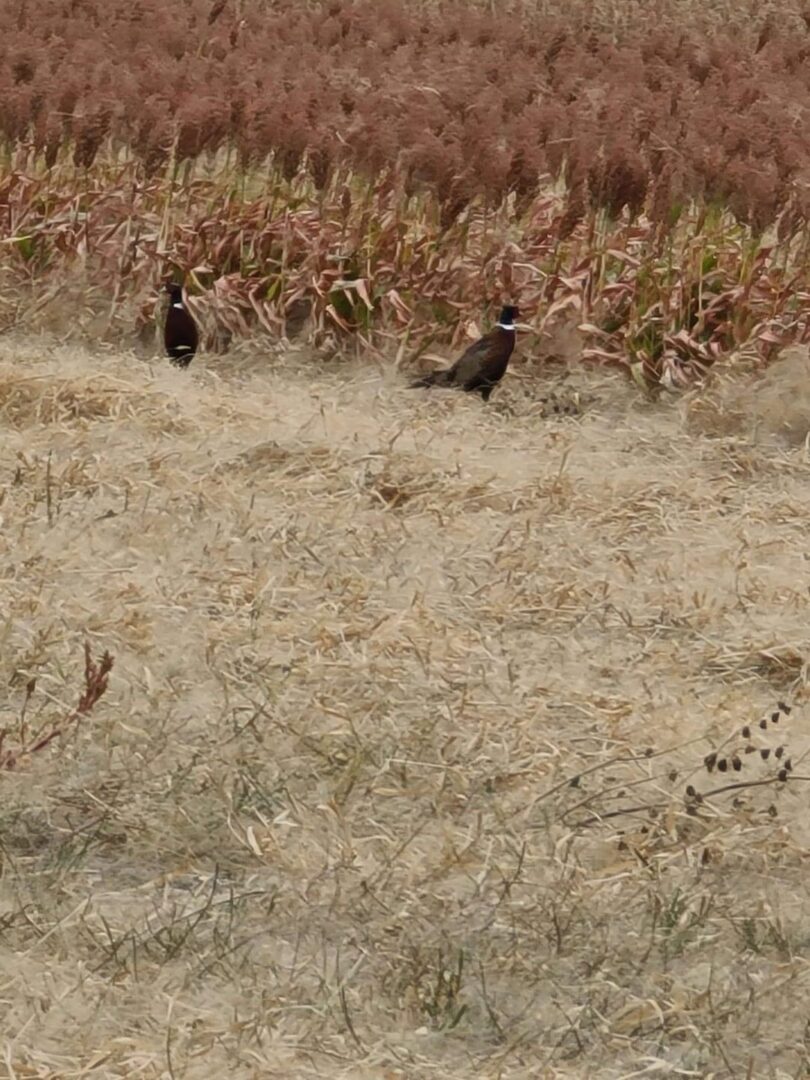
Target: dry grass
column 391, row 776
column 772, row 402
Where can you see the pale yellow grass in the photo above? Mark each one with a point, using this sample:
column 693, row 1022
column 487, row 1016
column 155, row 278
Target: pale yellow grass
column 390, row 780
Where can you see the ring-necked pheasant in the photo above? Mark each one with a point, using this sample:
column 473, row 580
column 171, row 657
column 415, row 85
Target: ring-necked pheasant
column 483, row 365
column 180, row 334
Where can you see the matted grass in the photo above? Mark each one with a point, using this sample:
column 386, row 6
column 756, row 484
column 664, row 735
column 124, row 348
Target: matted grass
column 391, row 776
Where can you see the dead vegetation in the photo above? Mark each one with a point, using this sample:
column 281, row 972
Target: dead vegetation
column 384, row 173
column 769, row 404
column 441, row 741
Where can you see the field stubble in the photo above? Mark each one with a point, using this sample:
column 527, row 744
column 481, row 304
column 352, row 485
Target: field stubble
column 391, row 776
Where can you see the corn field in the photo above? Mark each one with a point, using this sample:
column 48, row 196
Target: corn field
column 386, row 169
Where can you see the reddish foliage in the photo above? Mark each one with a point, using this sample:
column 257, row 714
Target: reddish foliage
column 462, row 99
column 26, row 743
column 388, row 164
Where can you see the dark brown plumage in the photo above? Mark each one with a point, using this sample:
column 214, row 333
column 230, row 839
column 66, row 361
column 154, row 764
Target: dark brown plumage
column 483, row 365
column 216, row 11
column 180, row 334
